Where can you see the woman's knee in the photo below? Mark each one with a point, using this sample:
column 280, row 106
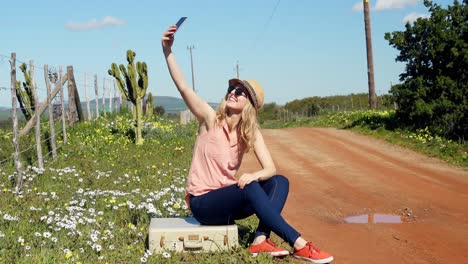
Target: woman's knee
column 274, row 182
column 252, row 189
column 281, row 180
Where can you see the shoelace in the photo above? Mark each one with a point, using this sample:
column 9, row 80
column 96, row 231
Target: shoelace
column 268, row 240
column 312, row 248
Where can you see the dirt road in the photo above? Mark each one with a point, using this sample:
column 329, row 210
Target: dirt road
column 335, row 174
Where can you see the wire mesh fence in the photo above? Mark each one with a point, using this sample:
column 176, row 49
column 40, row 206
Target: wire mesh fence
column 18, row 145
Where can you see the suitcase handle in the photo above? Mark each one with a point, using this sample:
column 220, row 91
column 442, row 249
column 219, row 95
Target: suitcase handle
column 193, row 244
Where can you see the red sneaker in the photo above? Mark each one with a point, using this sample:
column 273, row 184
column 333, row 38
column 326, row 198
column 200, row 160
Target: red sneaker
column 269, row 247
column 312, row 254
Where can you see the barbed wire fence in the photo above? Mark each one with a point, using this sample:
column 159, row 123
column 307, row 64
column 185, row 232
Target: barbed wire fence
column 60, row 114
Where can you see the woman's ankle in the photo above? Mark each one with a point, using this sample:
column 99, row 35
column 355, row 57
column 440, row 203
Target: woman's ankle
column 299, row 243
column 258, row 240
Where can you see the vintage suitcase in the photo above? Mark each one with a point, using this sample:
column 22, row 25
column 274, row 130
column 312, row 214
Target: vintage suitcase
column 187, row 234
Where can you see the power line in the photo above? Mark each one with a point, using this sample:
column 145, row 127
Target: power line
column 267, row 23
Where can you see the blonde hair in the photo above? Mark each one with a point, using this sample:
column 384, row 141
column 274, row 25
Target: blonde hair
column 247, row 124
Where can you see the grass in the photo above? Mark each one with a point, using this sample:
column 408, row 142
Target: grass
column 94, row 203
column 382, row 124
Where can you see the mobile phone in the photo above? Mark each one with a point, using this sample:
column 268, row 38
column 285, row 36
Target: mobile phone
column 181, row 20
column 178, row 24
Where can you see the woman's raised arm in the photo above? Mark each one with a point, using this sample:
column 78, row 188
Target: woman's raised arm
column 201, row 109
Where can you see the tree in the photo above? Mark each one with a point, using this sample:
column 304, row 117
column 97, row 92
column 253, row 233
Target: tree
column 434, row 88
column 309, row 106
column 269, row 111
column 159, row 110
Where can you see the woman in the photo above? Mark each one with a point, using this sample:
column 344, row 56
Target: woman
column 214, row 195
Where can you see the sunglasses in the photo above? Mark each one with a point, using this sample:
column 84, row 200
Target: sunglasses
column 238, row 91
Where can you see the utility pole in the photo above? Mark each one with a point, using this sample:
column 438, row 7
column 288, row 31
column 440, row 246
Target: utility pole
column 370, row 60
column 190, row 48
column 237, row 69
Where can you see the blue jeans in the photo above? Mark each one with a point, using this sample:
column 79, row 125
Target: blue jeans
column 266, row 199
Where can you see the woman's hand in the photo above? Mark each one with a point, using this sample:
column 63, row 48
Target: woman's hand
column 246, row 179
column 168, row 38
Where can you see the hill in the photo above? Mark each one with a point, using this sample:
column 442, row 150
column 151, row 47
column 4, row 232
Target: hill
column 172, row 105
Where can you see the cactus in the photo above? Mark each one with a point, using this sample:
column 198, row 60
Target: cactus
column 25, row 94
column 150, row 105
column 133, row 87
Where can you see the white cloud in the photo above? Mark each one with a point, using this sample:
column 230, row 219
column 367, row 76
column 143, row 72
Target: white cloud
column 393, row 4
column 359, row 6
column 411, row 17
column 107, row 21
column 385, row 4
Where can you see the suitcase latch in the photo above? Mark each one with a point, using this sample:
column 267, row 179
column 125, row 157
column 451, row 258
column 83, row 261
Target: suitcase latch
column 193, row 242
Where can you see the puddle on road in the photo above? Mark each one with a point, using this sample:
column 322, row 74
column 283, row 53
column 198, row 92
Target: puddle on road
column 374, row 219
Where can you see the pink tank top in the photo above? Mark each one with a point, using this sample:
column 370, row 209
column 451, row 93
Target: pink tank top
column 216, row 160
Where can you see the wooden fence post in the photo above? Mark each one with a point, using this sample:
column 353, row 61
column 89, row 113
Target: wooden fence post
column 71, row 99
column 62, row 106
column 120, row 98
column 96, row 102
column 19, row 174
column 51, row 114
column 104, row 97
column 88, row 108
column 40, row 161
column 110, row 98
column 115, row 98
column 74, row 104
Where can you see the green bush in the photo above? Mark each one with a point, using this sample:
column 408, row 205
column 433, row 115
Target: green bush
column 434, row 87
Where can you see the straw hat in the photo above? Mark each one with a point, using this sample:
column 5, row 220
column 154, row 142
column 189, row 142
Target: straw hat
column 254, row 89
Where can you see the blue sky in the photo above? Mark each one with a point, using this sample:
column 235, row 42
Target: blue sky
column 294, row 48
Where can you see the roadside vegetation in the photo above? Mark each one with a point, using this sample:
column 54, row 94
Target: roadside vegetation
column 94, row 203
column 383, row 124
